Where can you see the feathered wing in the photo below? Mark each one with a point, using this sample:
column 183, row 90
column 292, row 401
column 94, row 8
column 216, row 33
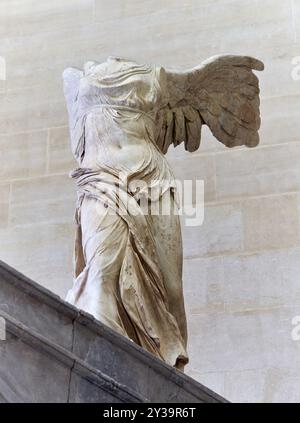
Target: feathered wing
column 71, row 80
column 223, row 93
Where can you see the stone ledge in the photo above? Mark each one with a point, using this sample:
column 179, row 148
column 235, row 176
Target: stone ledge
column 69, row 360
column 92, row 343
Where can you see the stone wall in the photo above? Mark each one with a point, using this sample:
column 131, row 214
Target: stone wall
column 242, row 265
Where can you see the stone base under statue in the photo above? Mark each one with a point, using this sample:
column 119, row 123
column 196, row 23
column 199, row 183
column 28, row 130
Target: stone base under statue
column 81, row 359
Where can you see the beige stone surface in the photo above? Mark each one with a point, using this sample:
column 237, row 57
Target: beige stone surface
column 262, row 215
column 214, row 381
column 247, row 386
column 55, row 187
column 20, row 18
column 280, row 120
column 202, row 168
column 4, row 204
column 24, row 248
column 31, row 109
column 23, row 155
column 214, row 284
column 40, row 39
column 225, row 341
column 269, row 279
column 282, row 385
column 220, row 233
column 60, row 159
column 296, row 17
column 203, row 281
column 52, row 210
column 261, row 171
column 263, row 385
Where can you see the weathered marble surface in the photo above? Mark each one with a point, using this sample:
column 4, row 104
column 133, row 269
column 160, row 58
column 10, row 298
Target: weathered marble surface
column 123, row 118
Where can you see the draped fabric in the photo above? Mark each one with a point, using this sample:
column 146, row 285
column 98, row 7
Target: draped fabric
column 119, row 275
column 123, row 117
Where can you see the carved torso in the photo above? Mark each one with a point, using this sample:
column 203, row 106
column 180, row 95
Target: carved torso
column 116, row 121
column 123, row 118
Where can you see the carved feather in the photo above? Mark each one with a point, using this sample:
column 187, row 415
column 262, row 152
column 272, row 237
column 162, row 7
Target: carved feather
column 223, row 93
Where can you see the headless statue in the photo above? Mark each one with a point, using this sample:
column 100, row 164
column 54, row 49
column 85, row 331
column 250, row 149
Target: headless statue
column 123, row 117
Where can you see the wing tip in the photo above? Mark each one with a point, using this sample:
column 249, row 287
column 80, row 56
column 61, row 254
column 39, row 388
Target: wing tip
column 253, row 142
column 237, row 60
column 257, row 64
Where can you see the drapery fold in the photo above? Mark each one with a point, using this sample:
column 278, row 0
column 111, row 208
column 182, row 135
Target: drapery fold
column 142, row 301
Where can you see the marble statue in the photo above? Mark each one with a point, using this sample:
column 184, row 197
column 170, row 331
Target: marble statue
column 123, row 116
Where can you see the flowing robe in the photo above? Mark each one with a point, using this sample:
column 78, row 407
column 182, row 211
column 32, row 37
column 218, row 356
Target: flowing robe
column 123, row 118
column 128, row 263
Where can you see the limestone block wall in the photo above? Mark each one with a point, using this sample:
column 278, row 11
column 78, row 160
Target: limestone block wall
column 242, row 266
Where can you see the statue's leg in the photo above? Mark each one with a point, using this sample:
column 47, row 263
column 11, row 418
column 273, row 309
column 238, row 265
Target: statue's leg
column 167, row 233
column 115, row 286
column 96, row 289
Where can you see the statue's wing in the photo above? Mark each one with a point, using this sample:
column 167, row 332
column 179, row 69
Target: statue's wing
column 223, row 93
column 71, row 80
